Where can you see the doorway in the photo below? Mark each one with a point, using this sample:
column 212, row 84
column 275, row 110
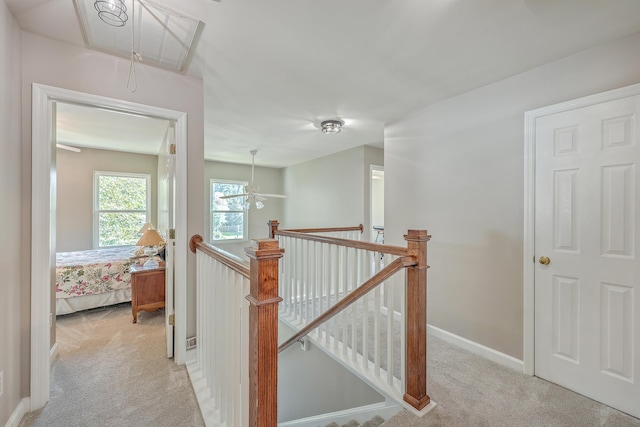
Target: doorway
column 377, row 203
column 582, row 271
column 44, row 214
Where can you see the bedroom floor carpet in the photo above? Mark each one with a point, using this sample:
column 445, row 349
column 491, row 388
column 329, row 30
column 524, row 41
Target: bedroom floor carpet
column 111, row 372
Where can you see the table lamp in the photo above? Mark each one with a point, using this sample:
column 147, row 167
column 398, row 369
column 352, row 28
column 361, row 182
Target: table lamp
column 150, row 238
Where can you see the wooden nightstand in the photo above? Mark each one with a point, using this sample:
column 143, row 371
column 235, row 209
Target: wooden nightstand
column 147, row 289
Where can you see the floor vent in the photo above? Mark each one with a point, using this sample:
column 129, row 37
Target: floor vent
column 191, row 343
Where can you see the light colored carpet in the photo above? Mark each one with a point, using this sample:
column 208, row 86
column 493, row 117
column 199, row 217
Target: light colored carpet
column 111, row 372
column 473, row 391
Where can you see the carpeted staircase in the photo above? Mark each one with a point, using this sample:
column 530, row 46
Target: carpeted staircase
column 373, row 422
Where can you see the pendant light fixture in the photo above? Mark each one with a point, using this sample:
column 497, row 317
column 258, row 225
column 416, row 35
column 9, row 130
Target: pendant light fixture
column 112, row 12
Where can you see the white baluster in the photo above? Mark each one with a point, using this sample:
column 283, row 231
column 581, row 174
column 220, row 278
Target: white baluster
column 362, row 268
column 337, row 294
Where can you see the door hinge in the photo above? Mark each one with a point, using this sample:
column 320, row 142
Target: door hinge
column 172, row 149
column 172, row 320
column 172, row 233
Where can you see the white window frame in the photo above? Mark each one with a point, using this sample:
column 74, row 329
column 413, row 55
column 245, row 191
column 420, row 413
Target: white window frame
column 244, row 211
column 97, row 211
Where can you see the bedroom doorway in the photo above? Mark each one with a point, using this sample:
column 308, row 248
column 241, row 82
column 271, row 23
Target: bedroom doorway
column 122, row 165
column 45, row 99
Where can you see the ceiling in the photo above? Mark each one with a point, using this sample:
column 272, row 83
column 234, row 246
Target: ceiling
column 273, row 70
column 82, row 126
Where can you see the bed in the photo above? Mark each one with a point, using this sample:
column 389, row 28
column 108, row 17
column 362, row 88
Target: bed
column 94, row 278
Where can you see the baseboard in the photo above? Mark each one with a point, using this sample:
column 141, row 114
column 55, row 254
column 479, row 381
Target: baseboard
column 479, row 349
column 191, row 355
column 360, row 414
column 20, row 411
column 53, row 353
column 203, row 395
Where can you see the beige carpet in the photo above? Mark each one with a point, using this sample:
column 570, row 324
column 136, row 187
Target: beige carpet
column 110, row 372
column 473, row 391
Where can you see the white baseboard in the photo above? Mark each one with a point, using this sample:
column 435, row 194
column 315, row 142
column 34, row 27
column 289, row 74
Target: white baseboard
column 191, row 355
column 479, row 349
column 360, row 414
column 20, row 411
column 203, row 395
column 53, row 353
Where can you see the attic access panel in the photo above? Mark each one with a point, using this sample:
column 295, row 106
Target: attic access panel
column 163, row 37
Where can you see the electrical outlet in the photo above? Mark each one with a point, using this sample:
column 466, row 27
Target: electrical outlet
column 1, row 382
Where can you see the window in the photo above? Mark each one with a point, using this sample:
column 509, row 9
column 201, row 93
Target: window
column 121, row 207
column 228, row 216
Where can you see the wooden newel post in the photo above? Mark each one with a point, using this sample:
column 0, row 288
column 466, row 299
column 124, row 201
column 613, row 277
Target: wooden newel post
column 416, row 321
column 263, row 333
column 273, row 227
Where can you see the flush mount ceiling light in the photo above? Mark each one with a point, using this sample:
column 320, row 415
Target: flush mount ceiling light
column 331, row 126
column 113, row 12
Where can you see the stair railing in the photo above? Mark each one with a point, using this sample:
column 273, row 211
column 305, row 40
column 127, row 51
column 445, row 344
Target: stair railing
column 235, row 372
column 236, row 369
column 348, row 297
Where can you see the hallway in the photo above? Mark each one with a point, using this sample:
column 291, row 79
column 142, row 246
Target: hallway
column 111, row 372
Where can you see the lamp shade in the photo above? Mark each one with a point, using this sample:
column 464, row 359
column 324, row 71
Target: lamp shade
column 145, row 227
column 149, row 238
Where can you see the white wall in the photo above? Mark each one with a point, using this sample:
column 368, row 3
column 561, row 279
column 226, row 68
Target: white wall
column 456, row 169
column 12, row 358
column 74, row 205
column 331, row 191
column 268, row 179
column 70, row 67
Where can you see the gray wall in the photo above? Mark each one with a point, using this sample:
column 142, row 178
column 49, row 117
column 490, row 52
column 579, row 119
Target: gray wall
column 12, row 358
column 456, row 169
column 327, row 387
column 331, row 191
column 74, row 179
column 268, row 179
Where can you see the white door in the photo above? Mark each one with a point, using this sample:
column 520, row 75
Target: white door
column 166, row 223
column 587, row 298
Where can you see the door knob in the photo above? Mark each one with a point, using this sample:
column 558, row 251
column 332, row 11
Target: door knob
column 544, row 260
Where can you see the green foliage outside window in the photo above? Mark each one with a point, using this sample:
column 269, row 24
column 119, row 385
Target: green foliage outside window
column 121, row 208
column 227, row 215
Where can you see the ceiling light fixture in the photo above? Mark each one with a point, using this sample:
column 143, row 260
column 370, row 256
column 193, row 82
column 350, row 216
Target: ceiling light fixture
column 331, row 126
column 113, row 12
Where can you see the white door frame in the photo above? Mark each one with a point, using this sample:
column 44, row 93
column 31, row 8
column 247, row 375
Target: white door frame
column 530, row 118
column 43, row 214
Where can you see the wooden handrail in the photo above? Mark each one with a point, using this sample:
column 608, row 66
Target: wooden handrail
column 395, row 266
column 373, row 247
column 326, row 230
column 230, row 260
column 274, row 224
